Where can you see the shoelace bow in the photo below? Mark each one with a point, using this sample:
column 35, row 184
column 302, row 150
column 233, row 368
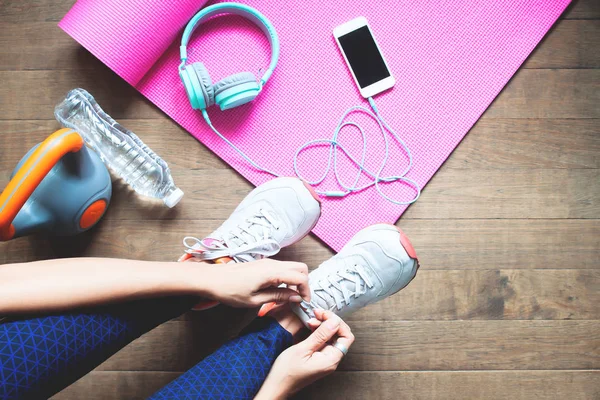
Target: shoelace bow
column 248, row 241
column 332, row 285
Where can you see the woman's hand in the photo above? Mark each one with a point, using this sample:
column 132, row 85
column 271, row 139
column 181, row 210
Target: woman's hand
column 255, row 283
column 308, row 361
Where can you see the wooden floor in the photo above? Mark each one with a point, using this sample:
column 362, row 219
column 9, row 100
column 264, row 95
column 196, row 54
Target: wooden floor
column 506, row 304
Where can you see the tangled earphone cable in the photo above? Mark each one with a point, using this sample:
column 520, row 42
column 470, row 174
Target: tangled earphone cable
column 334, row 145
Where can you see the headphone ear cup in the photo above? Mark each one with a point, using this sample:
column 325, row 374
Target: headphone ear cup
column 235, row 90
column 205, row 83
column 190, row 83
column 198, row 86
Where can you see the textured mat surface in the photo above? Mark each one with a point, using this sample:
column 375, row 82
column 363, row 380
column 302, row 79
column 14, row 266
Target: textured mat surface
column 450, row 60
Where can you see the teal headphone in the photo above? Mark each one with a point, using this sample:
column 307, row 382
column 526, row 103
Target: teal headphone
column 234, row 90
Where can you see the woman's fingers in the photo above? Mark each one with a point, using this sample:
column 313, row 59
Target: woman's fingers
column 277, row 295
column 313, row 324
column 345, row 339
column 319, row 314
column 300, row 267
column 290, row 276
column 293, row 265
column 333, row 354
column 344, row 335
column 327, row 330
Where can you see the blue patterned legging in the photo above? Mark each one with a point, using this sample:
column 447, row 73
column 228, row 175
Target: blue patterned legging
column 41, row 356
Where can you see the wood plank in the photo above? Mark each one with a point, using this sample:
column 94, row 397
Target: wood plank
column 570, row 44
column 34, row 94
column 405, row 345
column 583, row 9
column 441, row 244
column 492, row 295
column 41, row 46
column 463, row 385
column 44, row 46
column 430, row 385
column 34, row 10
column 475, row 345
column 529, row 143
column 538, row 193
column 482, row 244
column 162, row 135
column 532, row 93
column 456, row 194
column 491, row 144
column 560, row 93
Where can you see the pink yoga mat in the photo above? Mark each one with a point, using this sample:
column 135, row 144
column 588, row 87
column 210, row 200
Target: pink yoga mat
column 450, row 60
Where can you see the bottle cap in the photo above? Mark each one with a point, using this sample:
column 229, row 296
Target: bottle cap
column 173, row 198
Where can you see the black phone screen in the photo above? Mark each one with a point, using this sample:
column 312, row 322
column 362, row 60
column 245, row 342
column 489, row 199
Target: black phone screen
column 364, row 56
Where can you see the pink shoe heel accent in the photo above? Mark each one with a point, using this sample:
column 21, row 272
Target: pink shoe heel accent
column 312, row 191
column 405, row 242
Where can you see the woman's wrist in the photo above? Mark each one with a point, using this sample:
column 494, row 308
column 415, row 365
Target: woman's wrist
column 271, row 392
column 190, row 278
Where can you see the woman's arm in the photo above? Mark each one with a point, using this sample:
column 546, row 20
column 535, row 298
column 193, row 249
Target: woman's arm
column 55, row 285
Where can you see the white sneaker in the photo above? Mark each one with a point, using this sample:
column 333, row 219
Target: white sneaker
column 376, row 263
column 274, row 215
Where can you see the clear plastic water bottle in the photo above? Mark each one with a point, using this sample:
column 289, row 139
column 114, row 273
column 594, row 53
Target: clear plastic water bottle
column 120, row 149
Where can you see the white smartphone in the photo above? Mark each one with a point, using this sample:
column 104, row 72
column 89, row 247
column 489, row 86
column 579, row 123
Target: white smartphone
column 363, row 57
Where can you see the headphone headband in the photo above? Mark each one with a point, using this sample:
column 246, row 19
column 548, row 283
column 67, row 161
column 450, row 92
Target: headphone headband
column 237, row 9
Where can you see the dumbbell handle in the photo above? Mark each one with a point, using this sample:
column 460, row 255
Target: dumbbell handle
column 33, row 171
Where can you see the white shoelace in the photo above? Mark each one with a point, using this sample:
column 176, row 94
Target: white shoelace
column 333, row 284
column 249, row 241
